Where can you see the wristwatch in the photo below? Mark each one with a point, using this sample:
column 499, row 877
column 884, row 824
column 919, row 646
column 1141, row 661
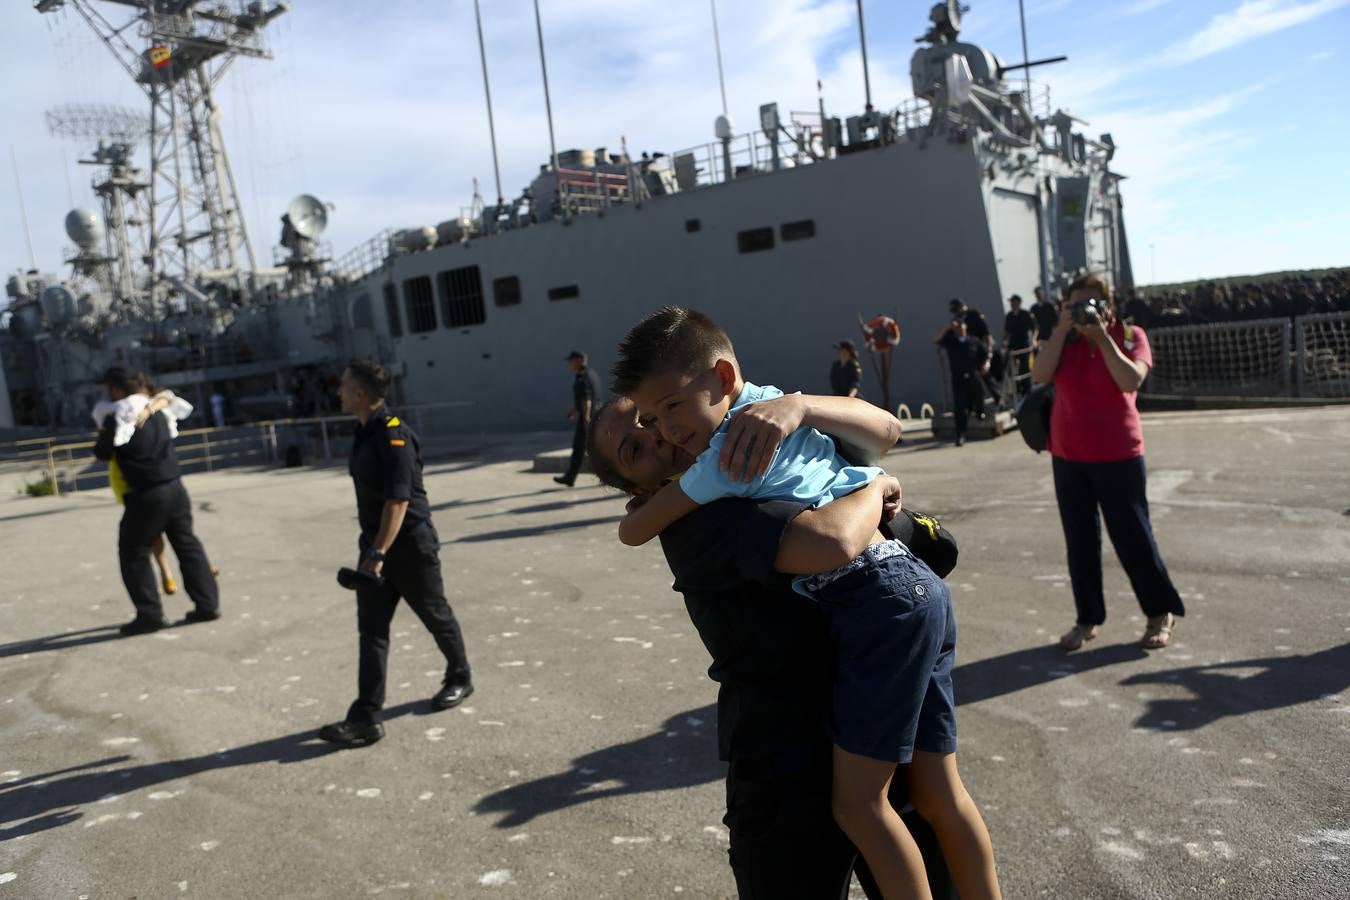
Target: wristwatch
column 375, row 554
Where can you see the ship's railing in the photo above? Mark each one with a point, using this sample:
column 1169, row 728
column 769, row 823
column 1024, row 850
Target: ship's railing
column 799, row 142
column 65, row 464
column 592, row 189
column 361, row 260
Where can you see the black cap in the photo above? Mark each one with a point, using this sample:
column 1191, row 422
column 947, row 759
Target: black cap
column 1017, row 297
column 576, row 354
column 846, row 345
column 955, row 302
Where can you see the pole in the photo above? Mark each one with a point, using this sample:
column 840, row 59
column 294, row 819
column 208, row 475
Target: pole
column 1022, row 15
column 548, row 105
column 862, row 37
column 717, row 45
column 492, row 130
column 23, row 212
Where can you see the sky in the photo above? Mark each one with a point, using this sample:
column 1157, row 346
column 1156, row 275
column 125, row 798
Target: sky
column 1229, row 115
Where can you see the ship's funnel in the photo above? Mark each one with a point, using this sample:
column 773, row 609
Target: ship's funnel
column 84, row 228
column 308, row 216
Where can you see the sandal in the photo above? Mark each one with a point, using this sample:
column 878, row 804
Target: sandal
column 170, row 586
column 1077, row 636
column 1158, row 634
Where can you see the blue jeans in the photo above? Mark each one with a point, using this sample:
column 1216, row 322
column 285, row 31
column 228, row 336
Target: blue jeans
column 1118, row 490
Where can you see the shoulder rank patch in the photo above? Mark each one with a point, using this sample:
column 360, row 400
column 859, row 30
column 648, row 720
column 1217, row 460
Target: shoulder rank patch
column 397, row 442
column 392, row 422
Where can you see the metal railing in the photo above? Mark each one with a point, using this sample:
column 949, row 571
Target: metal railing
column 68, row 464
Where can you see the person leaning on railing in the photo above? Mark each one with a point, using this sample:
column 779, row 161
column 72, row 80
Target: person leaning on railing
column 1097, row 364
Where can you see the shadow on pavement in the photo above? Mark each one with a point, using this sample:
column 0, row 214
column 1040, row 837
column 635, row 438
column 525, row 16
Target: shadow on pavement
column 49, row 801
column 533, row 531
column 456, row 504
column 1283, row 681
column 555, row 506
column 1012, row 672
column 681, row 753
column 61, row 641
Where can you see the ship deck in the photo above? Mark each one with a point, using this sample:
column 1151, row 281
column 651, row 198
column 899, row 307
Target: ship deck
column 184, row 764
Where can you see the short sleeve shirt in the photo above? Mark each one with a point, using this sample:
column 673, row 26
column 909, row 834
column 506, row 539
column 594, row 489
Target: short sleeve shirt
column 585, row 387
column 844, row 376
column 805, row 468
column 386, row 464
column 1019, row 326
column 1092, row 419
column 977, row 326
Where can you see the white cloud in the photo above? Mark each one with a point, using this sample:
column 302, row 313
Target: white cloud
column 1252, row 19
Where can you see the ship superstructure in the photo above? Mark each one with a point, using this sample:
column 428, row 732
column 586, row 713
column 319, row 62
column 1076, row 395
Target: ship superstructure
column 974, row 188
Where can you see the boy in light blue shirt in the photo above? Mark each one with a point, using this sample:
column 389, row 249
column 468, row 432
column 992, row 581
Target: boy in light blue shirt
column 889, row 615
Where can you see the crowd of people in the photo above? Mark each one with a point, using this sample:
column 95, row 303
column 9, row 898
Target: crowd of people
column 1212, row 302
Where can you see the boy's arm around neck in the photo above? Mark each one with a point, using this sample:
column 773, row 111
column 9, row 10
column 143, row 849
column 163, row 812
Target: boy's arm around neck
column 867, row 430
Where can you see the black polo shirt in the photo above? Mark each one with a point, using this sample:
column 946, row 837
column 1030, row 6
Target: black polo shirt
column 1047, row 317
column 977, row 326
column 148, row 459
column 586, row 386
column 1019, row 326
column 386, row 464
column 844, row 376
column 769, row 645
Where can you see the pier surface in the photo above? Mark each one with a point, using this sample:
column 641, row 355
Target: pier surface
column 184, row 764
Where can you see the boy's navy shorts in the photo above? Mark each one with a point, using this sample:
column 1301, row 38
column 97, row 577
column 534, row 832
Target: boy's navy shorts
column 894, row 635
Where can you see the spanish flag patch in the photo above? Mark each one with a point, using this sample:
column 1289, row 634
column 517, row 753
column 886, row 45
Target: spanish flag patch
column 397, row 442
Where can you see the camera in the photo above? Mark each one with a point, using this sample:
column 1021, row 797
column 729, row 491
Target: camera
column 1084, row 310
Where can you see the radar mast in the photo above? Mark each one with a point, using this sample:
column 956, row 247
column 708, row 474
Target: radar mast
column 177, row 51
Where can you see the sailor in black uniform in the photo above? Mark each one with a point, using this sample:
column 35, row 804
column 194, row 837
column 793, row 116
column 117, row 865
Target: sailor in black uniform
column 399, row 552
column 156, row 503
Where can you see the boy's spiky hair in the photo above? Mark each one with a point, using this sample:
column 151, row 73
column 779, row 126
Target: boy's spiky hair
column 672, row 339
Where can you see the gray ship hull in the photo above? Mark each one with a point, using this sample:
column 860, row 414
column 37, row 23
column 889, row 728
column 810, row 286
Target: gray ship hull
column 898, row 229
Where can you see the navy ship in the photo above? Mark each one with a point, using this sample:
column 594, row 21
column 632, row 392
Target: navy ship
column 975, row 187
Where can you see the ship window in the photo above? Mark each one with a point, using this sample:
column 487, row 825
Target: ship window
column 361, row 314
column 420, row 305
column 462, row 297
column 692, row 225
column 754, row 239
column 797, row 231
column 391, row 309
column 506, row 291
column 565, row 292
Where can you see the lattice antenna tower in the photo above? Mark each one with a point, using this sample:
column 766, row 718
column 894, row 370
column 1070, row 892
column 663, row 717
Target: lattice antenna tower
column 123, row 193
column 177, row 51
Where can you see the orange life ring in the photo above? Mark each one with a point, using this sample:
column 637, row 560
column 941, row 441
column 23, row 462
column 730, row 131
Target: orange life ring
column 881, row 333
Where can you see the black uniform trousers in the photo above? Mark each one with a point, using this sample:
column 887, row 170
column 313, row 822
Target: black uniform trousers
column 785, row 842
column 162, row 509
column 578, row 450
column 967, row 397
column 412, row 571
column 1021, row 368
column 1118, row 488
